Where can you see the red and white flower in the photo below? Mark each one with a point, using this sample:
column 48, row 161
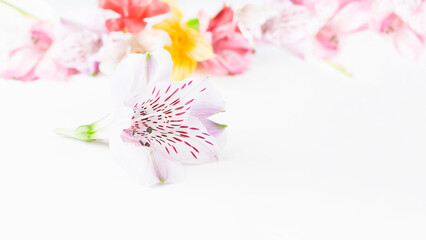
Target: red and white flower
column 132, row 13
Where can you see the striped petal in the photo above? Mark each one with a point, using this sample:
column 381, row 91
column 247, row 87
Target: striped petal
column 191, row 143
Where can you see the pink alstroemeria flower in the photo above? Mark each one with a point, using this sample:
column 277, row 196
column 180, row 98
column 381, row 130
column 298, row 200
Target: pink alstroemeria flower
column 405, row 23
column 306, row 27
column 31, row 61
column 233, row 51
column 133, row 13
column 157, row 124
column 348, row 17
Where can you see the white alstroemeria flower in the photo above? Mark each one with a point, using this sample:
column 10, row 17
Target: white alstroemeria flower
column 78, row 39
column 157, row 125
column 117, row 45
column 78, row 50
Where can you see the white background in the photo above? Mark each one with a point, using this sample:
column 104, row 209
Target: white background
column 311, row 154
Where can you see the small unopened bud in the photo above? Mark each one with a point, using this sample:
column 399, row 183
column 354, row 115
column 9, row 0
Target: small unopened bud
column 84, row 132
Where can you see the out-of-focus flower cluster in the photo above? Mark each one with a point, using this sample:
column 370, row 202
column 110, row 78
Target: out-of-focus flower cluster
column 222, row 44
column 320, row 27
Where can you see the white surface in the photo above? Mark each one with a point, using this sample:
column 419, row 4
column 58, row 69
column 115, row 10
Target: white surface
column 311, row 154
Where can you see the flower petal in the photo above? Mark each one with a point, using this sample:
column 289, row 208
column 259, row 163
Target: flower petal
column 167, row 170
column 217, row 131
column 408, row 43
column 352, row 17
column 159, row 66
column 128, row 79
column 183, row 67
column 115, row 5
column 191, row 143
column 225, row 16
column 201, row 50
column 135, row 72
column 156, row 8
column 115, row 48
column 168, row 104
column 292, row 24
column 135, row 160
column 22, row 63
column 115, row 25
column 150, row 39
column 48, row 69
column 208, row 103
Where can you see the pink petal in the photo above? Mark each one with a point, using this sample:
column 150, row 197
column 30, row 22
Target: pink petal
column 391, row 23
column 48, row 69
column 230, row 40
column 208, row 103
column 235, row 62
column 42, row 35
column 22, row 64
column 323, row 9
column 217, row 131
column 328, row 38
column 233, row 51
column 214, row 66
column 352, row 17
column 417, row 21
column 408, row 43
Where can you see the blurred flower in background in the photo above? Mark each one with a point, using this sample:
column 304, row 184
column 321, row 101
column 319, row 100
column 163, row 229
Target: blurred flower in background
column 132, row 13
column 96, row 40
column 232, row 50
column 34, row 60
column 187, row 46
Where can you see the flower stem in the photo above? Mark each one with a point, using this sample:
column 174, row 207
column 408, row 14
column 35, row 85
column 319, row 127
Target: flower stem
column 21, row 11
column 339, row 68
column 65, row 132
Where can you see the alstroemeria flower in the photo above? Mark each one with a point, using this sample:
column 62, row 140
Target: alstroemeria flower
column 339, row 19
column 133, row 13
column 159, row 124
column 78, row 50
column 291, row 27
column 232, row 50
column 118, row 45
column 250, row 19
column 326, row 22
column 79, row 39
column 188, row 45
column 405, row 23
column 32, row 61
